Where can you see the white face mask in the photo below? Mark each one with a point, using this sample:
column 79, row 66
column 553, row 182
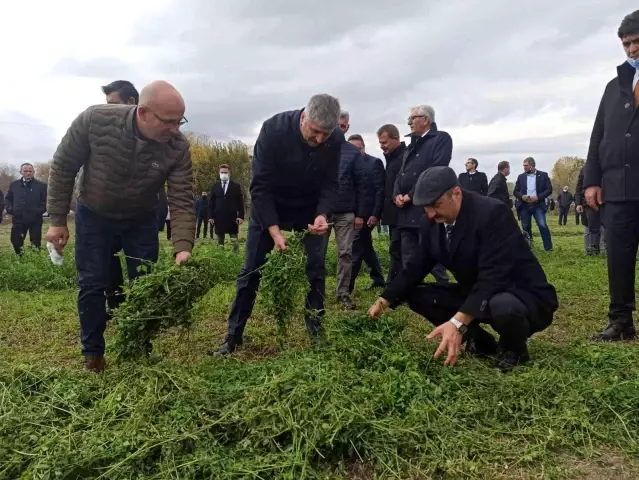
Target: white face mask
column 224, row 177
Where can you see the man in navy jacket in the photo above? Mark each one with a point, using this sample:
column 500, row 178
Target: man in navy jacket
column 293, row 187
column 429, row 148
column 363, row 249
column 532, row 188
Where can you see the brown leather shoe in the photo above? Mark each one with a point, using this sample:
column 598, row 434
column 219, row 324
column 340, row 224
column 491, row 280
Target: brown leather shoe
column 95, row 364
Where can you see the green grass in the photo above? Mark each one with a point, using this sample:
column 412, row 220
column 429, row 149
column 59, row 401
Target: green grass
column 371, row 404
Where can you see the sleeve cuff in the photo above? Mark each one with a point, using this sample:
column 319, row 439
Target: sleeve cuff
column 58, row 220
column 182, row 246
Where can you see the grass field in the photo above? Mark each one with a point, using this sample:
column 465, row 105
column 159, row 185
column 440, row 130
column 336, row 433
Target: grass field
column 372, row 404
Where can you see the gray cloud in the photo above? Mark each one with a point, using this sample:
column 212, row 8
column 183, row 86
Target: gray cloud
column 24, row 139
column 239, row 62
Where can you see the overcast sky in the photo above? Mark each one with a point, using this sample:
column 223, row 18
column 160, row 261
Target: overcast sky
column 508, row 79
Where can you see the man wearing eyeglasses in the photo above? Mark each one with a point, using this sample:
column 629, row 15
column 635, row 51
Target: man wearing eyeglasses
column 430, row 147
column 611, row 177
column 127, row 153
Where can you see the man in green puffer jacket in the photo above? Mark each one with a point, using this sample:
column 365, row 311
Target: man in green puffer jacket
column 127, row 153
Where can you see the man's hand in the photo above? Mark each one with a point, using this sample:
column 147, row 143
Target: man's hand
column 358, row 222
column 399, row 201
column 211, row 221
column 579, row 209
column 58, row 236
column 182, row 257
column 239, row 221
column 594, row 197
column 278, row 239
column 372, row 221
column 406, row 199
column 451, row 342
column 378, row 307
column 532, row 199
column 320, row 226
column 525, row 198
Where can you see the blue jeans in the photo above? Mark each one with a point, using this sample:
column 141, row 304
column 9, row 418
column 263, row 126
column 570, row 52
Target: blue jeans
column 95, row 238
column 258, row 244
column 527, row 213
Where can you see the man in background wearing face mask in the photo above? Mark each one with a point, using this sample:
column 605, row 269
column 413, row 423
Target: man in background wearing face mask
column 564, row 200
column 226, row 208
column 611, row 177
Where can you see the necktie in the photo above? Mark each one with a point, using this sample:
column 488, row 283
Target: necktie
column 449, row 233
column 224, row 188
column 637, row 94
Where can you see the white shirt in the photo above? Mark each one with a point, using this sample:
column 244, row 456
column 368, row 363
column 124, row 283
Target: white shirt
column 425, row 133
column 531, row 183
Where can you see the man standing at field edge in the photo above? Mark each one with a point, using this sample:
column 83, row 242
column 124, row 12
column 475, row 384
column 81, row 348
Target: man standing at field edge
column 127, row 153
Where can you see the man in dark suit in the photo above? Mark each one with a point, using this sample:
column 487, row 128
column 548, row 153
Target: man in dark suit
column 293, row 187
column 26, row 203
column 393, row 149
column 498, row 187
column 611, row 178
column 532, row 188
column 363, row 249
column 226, row 208
column 564, row 200
column 429, row 148
column 499, row 280
column 202, row 213
column 472, row 180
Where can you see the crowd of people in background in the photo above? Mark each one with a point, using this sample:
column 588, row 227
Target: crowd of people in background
column 308, row 175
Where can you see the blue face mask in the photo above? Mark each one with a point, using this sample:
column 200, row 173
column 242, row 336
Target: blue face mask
column 634, row 62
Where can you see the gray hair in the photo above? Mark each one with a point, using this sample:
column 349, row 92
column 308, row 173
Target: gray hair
column 324, row 110
column 530, row 160
column 425, row 110
column 345, row 114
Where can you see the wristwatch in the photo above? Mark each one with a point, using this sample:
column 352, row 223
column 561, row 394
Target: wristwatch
column 461, row 328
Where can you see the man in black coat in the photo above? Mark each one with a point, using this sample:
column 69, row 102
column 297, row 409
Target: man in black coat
column 363, row 249
column 203, row 216
column 564, row 200
column 429, row 148
column 295, row 171
column 393, row 149
column 472, row 180
column 499, row 280
column 611, row 178
column 498, row 187
column 532, row 189
column 26, row 203
column 1, row 206
column 226, row 208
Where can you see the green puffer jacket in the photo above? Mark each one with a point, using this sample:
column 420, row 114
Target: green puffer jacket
column 122, row 172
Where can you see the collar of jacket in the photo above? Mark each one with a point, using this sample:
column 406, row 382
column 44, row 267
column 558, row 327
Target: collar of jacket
column 431, row 133
column 626, row 74
column 397, row 153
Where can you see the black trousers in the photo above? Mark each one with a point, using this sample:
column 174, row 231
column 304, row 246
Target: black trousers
column 115, row 292
column 258, row 244
column 622, row 238
column 563, row 215
column 410, row 244
column 395, row 252
column 19, row 231
column 508, row 315
column 363, row 251
column 205, row 221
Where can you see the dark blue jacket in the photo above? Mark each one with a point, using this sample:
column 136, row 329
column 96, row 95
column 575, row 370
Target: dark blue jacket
column 377, row 181
column 292, row 181
column 393, row 165
column 435, row 149
column 544, row 188
column 352, row 182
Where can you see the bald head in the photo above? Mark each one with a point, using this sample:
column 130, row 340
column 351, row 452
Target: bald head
column 161, row 111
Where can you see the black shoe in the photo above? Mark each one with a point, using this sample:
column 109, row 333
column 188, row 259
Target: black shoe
column 509, row 359
column 616, row 333
column 228, row 347
column 481, row 344
column 346, row 301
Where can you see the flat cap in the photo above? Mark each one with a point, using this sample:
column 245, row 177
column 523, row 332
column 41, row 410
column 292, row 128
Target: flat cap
column 432, row 184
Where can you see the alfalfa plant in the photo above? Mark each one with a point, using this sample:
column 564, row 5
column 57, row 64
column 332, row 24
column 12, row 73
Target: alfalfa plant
column 158, row 301
column 283, row 278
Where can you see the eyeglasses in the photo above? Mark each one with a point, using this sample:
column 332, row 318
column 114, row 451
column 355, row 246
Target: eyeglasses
column 413, row 117
column 169, row 122
column 627, row 43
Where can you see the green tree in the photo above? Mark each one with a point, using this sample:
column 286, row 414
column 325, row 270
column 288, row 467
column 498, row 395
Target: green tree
column 8, row 173
column 565, row 172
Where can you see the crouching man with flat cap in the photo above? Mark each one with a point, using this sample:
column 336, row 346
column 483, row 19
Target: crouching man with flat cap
column 499, row 280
